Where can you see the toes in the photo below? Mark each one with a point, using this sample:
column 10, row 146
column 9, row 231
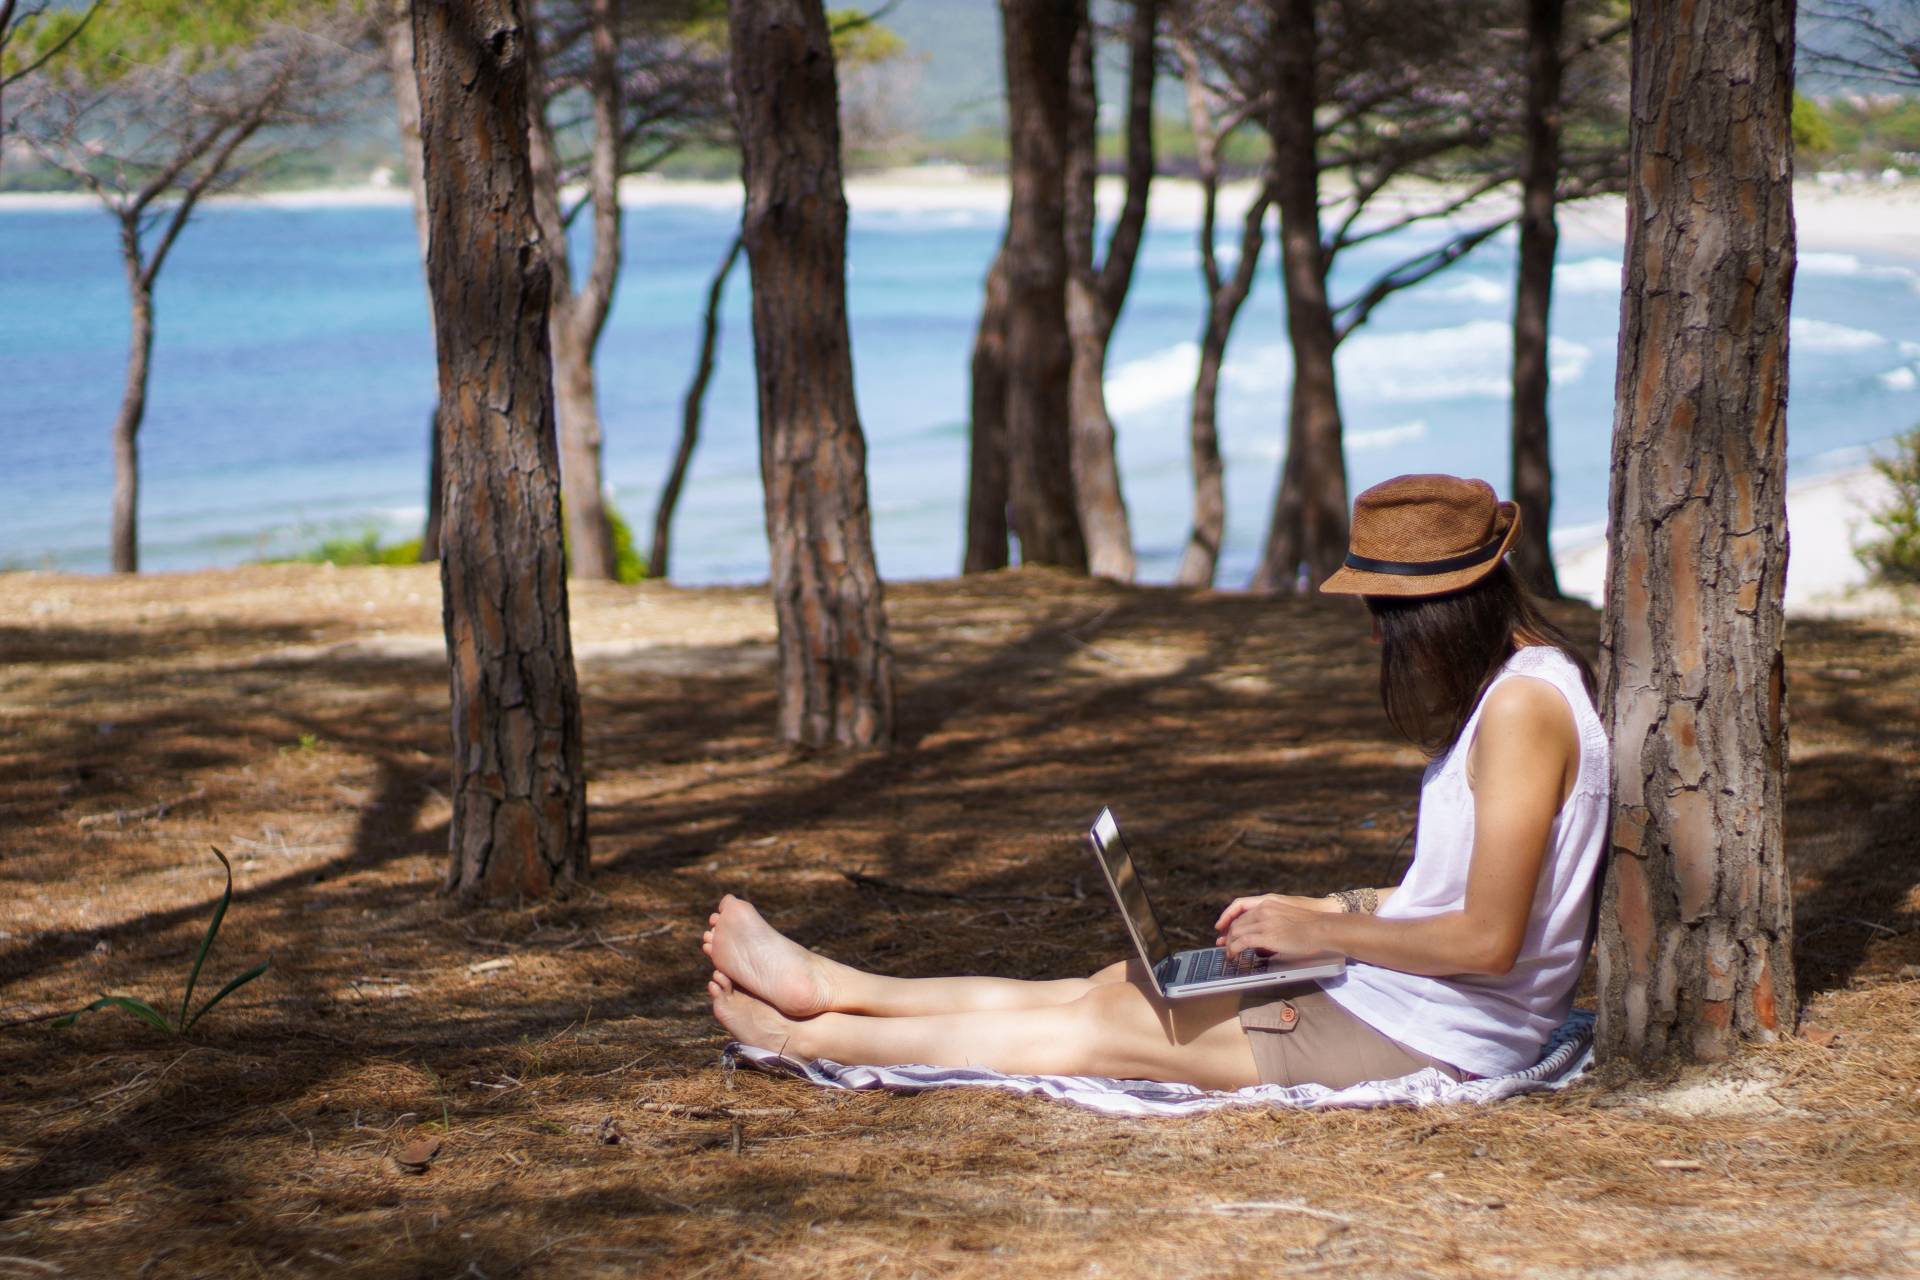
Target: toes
column 722, row 981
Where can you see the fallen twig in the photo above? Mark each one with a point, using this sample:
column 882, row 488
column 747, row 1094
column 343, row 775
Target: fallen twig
column 124, row 816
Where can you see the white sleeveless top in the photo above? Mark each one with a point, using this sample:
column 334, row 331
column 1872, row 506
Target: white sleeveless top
column 1482, row 1024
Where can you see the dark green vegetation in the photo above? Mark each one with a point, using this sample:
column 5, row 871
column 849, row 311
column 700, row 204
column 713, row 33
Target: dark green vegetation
column 1894, row 556
column 368, row 548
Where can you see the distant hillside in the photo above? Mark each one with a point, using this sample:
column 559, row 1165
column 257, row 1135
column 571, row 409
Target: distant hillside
column 957, row 42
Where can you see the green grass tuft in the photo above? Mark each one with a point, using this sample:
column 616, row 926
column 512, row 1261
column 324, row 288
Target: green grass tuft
column 188, row 1015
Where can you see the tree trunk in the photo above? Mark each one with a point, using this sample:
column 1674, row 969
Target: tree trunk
column 657, row 562
column 1696, row 932
column 1202, row 556
column 1201, row 559
column 1532, row 554
column 1039, row 36
column 836, row 660
column 436, row 491
column 576, row 400
column 577, row 412
column 1092, row 309
column 1309, row 526
column 126, row 425
column 987, row 438
column 519, row 793
column 397, row 30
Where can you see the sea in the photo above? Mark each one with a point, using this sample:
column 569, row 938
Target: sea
column 293, row 377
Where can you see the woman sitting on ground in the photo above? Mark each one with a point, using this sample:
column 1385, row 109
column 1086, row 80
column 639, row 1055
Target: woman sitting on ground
column 1466, row 966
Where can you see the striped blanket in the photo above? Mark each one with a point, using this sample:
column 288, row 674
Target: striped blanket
column 1568, row 1052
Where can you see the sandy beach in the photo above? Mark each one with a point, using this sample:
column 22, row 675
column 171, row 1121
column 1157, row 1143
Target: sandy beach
column 1828, row 517
column 1861, row 215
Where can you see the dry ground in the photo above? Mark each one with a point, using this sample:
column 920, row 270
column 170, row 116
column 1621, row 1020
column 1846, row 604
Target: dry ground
column 295, row 717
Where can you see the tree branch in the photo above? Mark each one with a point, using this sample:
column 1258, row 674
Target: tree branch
column 6, row 15
column 1409, row 272
column 1123, row 245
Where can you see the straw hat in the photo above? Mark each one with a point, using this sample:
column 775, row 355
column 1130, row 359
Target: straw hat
column 1424, row 536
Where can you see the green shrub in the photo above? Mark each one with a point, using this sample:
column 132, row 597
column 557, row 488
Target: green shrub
column 1811, row 130
column 1895, row 556
column 365, row 549
column 628, row 564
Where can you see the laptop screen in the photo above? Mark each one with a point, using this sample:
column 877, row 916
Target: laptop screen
column 1111, row 848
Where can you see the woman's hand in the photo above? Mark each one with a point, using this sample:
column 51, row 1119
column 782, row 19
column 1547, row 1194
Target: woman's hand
column 1283, row 925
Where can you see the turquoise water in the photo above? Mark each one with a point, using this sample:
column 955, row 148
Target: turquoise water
column 293, row 375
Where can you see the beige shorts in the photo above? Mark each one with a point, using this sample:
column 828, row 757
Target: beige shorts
column 1300, row 1036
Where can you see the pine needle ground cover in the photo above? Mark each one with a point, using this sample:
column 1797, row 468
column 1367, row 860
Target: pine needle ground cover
column 411, row 1090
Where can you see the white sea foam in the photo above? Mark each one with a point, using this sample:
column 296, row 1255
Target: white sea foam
column 1466, row 288
column 1386, row 437
column 1151, row 381
column 1850, row 265
column 1587, row 275
column 1901, row 379
column 1462, row 362
column 1823, row 335
column 1830, row 264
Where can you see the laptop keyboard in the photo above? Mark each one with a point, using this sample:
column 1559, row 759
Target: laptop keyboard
column 1208, row 965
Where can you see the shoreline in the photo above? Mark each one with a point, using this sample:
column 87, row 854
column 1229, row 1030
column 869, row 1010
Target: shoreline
column 1828, row 515
column 1859, row 216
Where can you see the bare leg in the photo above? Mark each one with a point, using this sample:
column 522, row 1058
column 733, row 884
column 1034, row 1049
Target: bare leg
column 1114, row 1029
column 800, row 983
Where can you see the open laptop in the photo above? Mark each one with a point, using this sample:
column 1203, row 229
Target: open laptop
column 1181, row 974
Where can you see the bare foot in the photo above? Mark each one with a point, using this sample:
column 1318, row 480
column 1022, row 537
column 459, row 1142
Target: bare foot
column 752, row 1022
column 761, row 959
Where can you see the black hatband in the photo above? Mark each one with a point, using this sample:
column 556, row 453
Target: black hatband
column 1427, row 568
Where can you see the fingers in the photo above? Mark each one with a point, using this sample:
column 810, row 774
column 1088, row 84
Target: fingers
column 1234, row 910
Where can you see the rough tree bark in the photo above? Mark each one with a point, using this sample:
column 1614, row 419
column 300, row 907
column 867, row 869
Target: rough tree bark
column 987, row 436
column 1095, row 295
column 579, row 316
column 836, row 660
column 1224, row 298
column 397, row 31
column 519, row 794
column 1309, row 525
column 1696, row 931
column 690, row 411
column 1039, row 37
column 1532, row 555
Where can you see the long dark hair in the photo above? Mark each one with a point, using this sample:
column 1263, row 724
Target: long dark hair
column 1438, row 654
